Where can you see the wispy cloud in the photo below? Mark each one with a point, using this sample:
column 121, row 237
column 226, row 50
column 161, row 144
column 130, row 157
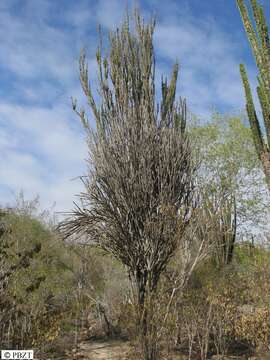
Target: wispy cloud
column 46, row 150
column 209, row 60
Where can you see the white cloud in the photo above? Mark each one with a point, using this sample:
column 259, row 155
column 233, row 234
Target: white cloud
column 209, row 62
column 33, row 50
column 110, row 13
column 47, row 153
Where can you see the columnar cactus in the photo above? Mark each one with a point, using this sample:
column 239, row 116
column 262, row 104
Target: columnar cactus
column 258, row 37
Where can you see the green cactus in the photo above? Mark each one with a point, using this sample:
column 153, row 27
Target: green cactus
column 258, row 37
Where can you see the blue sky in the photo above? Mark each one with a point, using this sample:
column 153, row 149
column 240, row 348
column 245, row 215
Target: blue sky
column 41, row 143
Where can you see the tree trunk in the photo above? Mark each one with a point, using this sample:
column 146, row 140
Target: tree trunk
column 147, row 330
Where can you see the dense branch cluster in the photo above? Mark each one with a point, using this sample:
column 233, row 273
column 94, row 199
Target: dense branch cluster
column 139, row 185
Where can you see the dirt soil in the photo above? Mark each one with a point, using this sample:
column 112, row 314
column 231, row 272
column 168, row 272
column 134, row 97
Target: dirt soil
column 122, row 350
column 109, row 350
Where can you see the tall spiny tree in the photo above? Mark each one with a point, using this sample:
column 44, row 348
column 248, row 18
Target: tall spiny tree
column 258, row 37
column 138, row 190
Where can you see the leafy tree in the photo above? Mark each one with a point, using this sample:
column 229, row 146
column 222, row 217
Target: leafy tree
column 36, row 281
column 229, row 167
